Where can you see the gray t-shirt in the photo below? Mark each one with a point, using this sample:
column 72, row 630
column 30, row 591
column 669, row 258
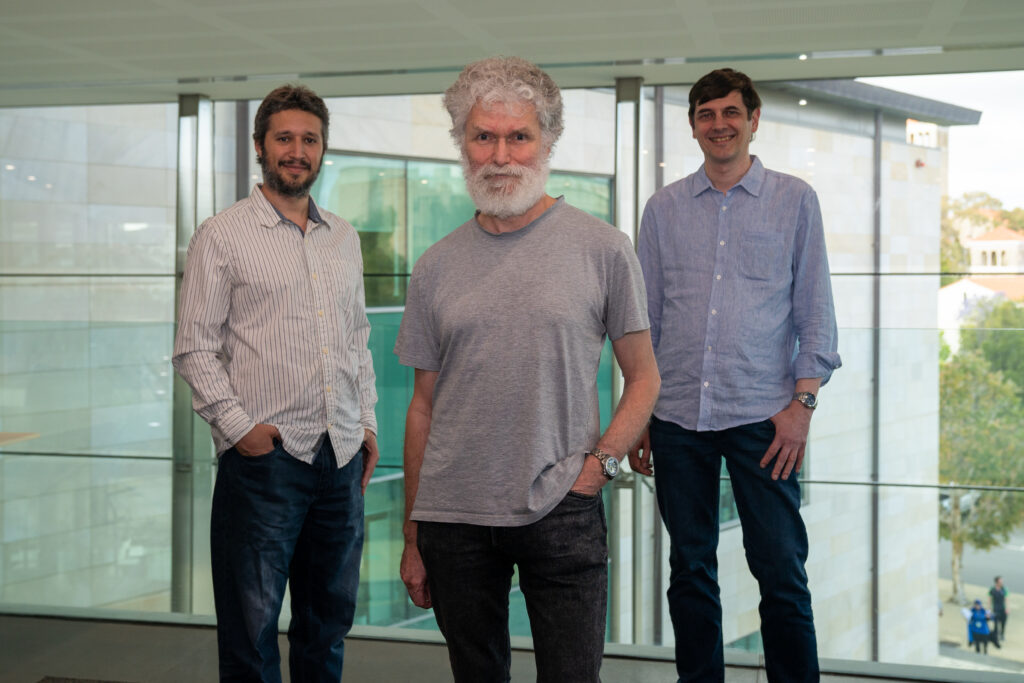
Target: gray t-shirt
column 514, row 324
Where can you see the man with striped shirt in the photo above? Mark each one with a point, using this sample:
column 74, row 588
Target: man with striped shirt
column 273, row 341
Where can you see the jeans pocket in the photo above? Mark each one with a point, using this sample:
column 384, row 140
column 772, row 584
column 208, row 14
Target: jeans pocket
column 583, row 496
column 261, row 456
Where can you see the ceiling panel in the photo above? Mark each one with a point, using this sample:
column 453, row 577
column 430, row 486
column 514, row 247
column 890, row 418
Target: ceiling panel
column 288, row 15
column 564, row 27
column 72, row 28
column 83, row 51
column 43, row 9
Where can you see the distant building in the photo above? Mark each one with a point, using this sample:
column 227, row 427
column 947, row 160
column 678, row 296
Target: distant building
column 995, row 261
column 1000, row 250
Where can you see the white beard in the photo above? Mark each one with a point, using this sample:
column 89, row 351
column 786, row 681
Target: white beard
column 505, row 198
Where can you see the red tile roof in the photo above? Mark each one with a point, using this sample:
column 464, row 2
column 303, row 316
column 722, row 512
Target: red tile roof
column 1000, row 234
column 1010, row 285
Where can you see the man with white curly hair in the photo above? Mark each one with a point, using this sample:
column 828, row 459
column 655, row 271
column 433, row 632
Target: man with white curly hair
column 504, row 323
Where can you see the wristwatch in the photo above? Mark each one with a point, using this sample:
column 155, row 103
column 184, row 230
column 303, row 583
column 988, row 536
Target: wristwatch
column 807, row 399
column 609, row 463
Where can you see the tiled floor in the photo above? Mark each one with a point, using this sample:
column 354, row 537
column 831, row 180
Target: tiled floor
column 34, row 647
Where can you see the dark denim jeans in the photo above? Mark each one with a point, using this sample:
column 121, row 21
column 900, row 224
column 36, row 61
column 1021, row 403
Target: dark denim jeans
column 563, row 573
column 687, row 470
column 277, row 519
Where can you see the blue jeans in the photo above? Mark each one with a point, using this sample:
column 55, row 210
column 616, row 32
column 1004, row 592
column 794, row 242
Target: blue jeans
column 277, row 519
column 687, row 471
column 563, row 573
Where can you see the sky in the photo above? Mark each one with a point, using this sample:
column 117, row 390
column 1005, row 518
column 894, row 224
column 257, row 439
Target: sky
column 989, row 156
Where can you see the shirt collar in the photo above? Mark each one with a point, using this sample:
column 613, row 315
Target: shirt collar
column 269, row 215
column 751, row 181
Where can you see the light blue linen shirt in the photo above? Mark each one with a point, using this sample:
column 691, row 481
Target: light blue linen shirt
column 739, row 296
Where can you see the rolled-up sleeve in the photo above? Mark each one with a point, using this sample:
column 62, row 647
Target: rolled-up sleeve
column 814, row 313
column 199, row 343
column 360, row 350
column 650, row 264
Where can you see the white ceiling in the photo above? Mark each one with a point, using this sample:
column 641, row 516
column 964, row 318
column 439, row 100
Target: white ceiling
column 83, row 51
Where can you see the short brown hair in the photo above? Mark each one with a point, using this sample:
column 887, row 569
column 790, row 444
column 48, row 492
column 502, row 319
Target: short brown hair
column 290, row 97
column 720, row 83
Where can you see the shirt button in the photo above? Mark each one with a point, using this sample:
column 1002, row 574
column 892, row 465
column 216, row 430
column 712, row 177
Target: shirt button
column 707, row 384
column 718, row 277
column 714, row 311
column 328, row 389
column 330, row 424
column 722, row 243
column 324, row 349
column 314, row 276
column 724, row 208
column 320, row 313
column 709, row 348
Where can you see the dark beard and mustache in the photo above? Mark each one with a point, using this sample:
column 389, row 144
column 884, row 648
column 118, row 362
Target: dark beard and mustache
column 505, row 199
column 277, row 182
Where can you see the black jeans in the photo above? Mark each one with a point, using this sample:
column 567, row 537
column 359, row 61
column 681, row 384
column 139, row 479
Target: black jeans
column 276, row 520
column 687, row 470
column 999, row 625
column 563, row 573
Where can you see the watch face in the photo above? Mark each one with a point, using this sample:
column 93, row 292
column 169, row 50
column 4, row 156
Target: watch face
column 807, row 398
column 611, row 466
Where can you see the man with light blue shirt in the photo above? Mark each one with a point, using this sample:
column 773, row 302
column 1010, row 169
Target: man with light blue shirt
column 273, row 341
column 744, row 331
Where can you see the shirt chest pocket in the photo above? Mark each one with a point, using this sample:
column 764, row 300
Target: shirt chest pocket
column 763, row 256
column 341, row 277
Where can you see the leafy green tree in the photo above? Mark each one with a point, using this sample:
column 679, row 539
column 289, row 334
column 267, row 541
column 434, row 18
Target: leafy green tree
column 952, row 255
column 997, row 331
column 981, row 440
column 974, row 202
column 1015, row 219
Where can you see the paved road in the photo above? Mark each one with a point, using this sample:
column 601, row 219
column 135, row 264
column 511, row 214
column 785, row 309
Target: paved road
column 980, row 566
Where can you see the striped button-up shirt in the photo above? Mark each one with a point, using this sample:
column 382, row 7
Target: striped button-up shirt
column 273, row 329
column 739, row 296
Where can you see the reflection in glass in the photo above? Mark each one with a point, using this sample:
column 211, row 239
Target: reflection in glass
column 369, row 192
column 86, row 364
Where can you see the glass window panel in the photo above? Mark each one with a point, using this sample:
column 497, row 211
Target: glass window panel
column 394, row 385
column 88, row 190
column 592, row 194
column 438, row 203
column 86, row 364
column 369, row 193
column 86, row 532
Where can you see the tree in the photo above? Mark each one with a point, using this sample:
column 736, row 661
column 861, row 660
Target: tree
column 997, row 331
column 952, row 255
column 980, row 442
column 1015, row 219
column 973, row 212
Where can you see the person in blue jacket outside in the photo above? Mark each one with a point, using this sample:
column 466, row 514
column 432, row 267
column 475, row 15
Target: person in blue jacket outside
column 978, row 631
